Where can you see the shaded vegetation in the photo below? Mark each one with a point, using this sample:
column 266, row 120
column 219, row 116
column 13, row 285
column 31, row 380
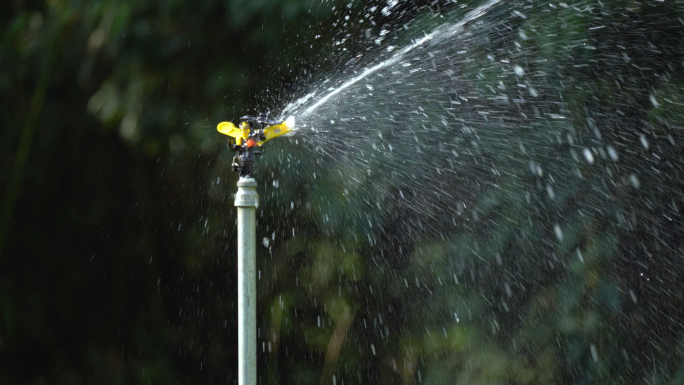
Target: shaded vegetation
column 117, row 253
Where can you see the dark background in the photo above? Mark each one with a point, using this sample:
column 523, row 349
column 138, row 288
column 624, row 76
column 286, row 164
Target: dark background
column 117, row 261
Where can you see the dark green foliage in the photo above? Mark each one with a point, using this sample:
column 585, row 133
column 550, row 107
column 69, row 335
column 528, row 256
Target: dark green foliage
column 117, row 226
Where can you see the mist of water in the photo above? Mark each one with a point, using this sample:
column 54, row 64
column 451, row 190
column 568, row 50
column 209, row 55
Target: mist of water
column 441, row 33
column 479, row 103
column 439, row 120
column 498, row 147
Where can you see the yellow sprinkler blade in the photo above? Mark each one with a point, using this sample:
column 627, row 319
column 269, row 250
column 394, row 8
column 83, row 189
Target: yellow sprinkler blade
column 228, row 128
column 276, row 131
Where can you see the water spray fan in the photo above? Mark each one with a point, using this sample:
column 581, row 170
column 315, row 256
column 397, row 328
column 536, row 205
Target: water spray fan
column 250, row 135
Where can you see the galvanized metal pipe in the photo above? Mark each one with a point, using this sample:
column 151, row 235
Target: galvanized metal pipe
column 246, row 201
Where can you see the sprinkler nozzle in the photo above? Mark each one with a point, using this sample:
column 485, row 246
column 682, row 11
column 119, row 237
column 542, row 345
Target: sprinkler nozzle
column 290, row 123
column 249, row 136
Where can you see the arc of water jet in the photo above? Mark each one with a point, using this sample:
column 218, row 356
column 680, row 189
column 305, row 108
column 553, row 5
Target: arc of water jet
column 472, row 15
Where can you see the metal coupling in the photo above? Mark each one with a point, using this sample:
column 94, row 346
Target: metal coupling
column 246, row 195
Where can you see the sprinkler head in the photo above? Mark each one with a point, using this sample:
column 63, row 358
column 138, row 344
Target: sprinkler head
column 249, row 136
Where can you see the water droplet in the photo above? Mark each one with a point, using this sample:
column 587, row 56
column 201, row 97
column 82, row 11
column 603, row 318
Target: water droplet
column 549, row 190
column 594, row 352
column 559, row 232
column 518, row 70
column 654, row 101
column 612, row 153
column 633, row 295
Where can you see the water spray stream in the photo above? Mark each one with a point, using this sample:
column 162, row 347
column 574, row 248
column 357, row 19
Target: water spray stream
column 412, row 121
column 439, row 33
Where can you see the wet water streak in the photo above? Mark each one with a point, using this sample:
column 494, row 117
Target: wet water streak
column 440, row 33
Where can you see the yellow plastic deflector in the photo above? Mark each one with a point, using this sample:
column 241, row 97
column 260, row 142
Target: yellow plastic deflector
column 275, row 131
column 228, row 128
column 242, row 133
